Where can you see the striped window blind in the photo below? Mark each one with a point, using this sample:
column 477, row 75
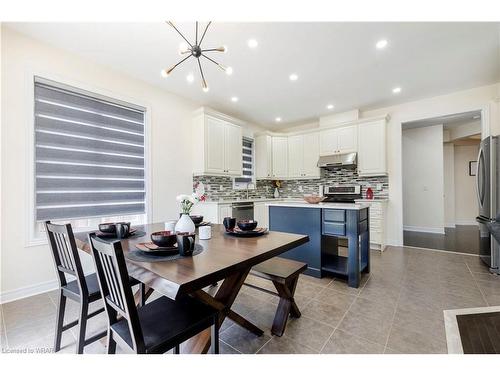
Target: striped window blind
column 89, row 154
column 247, row 163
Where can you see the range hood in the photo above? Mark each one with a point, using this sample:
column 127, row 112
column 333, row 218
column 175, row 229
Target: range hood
column 347, row 160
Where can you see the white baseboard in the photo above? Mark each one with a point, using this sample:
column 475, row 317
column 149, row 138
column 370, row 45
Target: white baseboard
column 449, row 225
column 28, row 291
column 411, row 228
column 466, row 222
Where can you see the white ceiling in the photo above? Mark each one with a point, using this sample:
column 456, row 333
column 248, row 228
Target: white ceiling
column 336, row 63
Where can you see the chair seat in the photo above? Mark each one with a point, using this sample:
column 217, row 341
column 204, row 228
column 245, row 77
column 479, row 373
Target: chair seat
column 92, row 286
column 165, row 320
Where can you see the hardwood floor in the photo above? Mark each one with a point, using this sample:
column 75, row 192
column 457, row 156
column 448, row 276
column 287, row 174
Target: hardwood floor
column 461, row 239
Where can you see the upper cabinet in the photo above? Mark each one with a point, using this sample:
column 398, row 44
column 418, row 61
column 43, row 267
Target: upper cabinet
column 338, row 140
column 263, row 157
column 372, row 148
column 303, row 154
column 280, row 157
column 217, row 146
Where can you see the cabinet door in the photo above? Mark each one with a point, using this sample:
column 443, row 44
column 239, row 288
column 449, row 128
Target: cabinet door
column 214, row 145
column 328, row 141
column 261, row 215
column 347, row 139
column 295, row 156
column 372, row 148
column 280, row 157
column 263, row 157
column 311, row 155
column 233, row 143
column 225, row 210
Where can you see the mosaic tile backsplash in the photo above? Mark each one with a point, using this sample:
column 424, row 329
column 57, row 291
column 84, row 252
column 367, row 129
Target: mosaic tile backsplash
column 221, row 188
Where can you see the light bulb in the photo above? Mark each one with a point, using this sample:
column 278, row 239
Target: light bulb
column 224, row 48
column 183, row 48
column 164, row 73
column 229, row 70
column 205, row 89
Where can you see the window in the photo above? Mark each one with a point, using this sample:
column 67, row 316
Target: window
column 89, row 156
column 248, row 162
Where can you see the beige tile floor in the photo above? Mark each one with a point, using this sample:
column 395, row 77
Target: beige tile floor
column 398, row 309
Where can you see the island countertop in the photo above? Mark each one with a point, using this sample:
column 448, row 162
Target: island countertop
column 333, row 205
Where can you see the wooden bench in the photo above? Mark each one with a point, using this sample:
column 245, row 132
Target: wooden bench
column 284, row 274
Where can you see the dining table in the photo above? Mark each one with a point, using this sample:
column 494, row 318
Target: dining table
column 224, row 259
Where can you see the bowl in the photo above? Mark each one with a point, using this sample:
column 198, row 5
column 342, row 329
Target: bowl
column 164, row 238
column 197, row 219
column 313, row 199
column 107, row 227
column 247, row 224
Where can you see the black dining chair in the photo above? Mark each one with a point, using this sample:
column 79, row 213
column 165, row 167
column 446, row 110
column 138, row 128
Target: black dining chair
column 83, row 289
column 158, row 326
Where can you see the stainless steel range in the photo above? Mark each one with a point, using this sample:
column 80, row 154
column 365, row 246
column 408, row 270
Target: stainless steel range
column 342, row 193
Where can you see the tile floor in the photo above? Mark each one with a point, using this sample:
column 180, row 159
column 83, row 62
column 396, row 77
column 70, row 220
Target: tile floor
column 398, row 309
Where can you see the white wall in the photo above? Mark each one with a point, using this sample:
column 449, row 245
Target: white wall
column 449, row 184
column 170, row 154
column 468, row 100
column 466, row 208
column 423, row 204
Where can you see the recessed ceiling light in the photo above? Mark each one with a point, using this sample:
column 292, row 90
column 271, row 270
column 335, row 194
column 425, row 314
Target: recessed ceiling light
column 277, row 119
column 252, row 43
column 234, row 99
column 293, row 77
column 381, row 44
column 396, row 90
column 190, row 78
column 229, row 70
column 329, row 106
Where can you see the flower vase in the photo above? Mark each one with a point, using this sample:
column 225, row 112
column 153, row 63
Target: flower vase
column 185, row 224
column 276, row 193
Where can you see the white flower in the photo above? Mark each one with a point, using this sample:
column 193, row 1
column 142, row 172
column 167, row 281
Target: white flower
column 182, row 197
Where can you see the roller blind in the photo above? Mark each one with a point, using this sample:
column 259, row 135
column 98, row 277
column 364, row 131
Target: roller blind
column 89, row 154
column 247, row 162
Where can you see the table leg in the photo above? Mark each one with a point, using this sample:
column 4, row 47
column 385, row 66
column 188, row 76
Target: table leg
column 223, row 300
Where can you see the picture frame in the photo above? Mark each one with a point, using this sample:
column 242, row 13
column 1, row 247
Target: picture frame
column 472, row 168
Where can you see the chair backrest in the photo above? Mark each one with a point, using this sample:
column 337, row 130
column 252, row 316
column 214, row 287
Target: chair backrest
column 115, row 286
column 65, row 254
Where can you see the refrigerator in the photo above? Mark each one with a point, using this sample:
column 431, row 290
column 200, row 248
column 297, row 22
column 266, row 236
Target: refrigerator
column 488, row 197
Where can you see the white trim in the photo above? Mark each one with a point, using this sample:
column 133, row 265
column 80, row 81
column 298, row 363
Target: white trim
column 439, row 251
column 32, row 237
column 449, row 225
column 28, row 291
column 412, row 228
column 466, row 222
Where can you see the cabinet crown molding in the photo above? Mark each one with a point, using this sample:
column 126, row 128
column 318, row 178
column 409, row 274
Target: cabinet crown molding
column 219, row 115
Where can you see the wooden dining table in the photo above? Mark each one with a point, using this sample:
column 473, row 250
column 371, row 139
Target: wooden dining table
column 224, row 258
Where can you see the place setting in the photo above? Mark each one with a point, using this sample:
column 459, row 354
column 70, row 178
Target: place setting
column 242, row 228
column 118, row 230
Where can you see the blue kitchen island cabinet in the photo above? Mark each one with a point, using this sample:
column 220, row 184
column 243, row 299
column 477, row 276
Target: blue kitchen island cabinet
column 324, row 223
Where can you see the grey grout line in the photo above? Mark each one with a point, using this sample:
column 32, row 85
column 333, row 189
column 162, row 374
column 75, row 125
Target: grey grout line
column 230, row 346
column 394, row 315
column 439, row 250
column 264, row 345
column 477, row 285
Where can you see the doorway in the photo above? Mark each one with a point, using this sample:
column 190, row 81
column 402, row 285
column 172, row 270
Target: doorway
column 439, row 192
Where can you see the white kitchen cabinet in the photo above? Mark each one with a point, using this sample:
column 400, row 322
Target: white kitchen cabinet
column 261, row 214
column 213, row 212
column 263, row 157
column 280, row 157
column 216, row 146
column 377, row 219
column 338, row 140
column 225, row 210
column 372, row 159
column 303, row 154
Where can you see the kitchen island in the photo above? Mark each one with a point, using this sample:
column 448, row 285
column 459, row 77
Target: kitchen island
column 325, row 223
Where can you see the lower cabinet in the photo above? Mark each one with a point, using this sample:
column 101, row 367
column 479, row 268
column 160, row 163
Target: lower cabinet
column 300, row 221
column 378, row 215
column 213, row 211
column 261, row 214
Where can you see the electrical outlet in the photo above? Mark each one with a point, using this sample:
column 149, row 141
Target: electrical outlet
column 301, row 189
column 221, row 188
column 380, row 186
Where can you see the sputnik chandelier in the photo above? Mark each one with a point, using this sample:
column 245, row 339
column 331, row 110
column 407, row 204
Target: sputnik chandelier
column 195, row 50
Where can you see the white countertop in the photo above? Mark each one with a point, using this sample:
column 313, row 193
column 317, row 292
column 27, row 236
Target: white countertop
column 231, row 201
column 339, row 206
column 372, row 200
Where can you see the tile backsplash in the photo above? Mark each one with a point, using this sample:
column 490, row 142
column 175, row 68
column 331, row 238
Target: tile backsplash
column 221, row 188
